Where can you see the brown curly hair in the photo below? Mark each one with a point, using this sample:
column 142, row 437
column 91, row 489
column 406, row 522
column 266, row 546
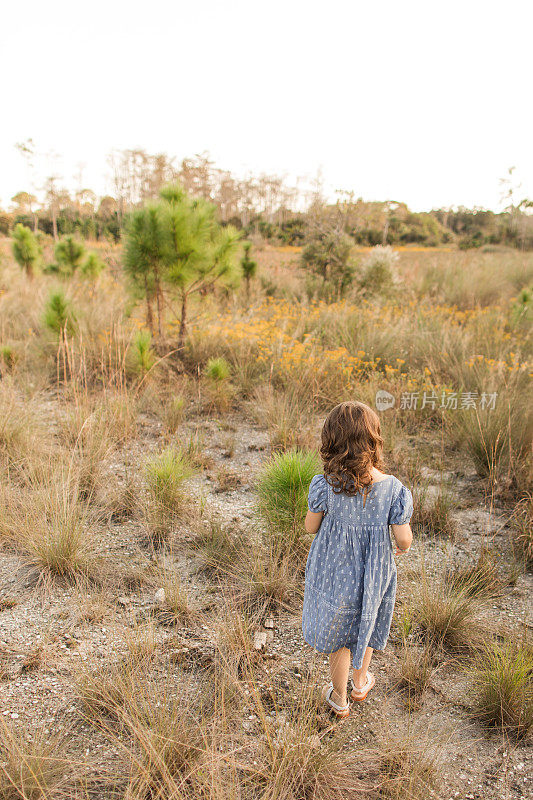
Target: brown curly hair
column 351, row 446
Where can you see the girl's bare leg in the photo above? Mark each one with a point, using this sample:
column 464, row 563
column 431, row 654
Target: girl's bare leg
column 359, row 675
column 339, row 669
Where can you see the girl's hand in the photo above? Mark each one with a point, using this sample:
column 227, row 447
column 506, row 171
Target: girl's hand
column 398, row 551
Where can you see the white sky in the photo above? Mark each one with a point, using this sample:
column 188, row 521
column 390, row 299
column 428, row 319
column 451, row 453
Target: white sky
column 425, row 102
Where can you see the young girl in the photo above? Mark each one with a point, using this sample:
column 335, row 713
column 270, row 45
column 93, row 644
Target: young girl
column 350, row 575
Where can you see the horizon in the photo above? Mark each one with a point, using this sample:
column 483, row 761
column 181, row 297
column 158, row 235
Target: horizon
column 404, row 114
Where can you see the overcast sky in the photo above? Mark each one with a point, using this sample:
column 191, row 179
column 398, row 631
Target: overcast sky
column 420, row 101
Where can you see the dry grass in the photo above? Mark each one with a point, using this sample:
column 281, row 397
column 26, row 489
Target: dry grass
column 522, row 529
column 433, row 511
column 51, row 530
column 443, row 616
column 36, row 767
column 218, row 546
column 195, row 710
column 502, row 680
column 410, row 763
column 482, row 579
column 289, row 421
column 413, row 672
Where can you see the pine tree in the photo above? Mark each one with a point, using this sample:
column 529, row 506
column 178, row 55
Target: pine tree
column 248, row 266
column 198, row 251
column 26, row 249
column 92, row 266
column 143, row 259
column 69, row 253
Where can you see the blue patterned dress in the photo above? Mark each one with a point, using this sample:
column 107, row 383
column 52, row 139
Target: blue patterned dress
column 350, row 575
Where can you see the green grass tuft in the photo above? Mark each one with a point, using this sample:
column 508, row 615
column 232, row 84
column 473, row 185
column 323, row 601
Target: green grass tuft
column 282, row 490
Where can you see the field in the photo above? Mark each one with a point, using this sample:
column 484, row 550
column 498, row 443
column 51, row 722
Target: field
column 150, row 601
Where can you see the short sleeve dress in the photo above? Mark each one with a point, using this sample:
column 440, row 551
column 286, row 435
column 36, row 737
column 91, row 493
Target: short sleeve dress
column 350, row 574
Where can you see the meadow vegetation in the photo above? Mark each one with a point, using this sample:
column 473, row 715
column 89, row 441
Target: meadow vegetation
column 158, row 432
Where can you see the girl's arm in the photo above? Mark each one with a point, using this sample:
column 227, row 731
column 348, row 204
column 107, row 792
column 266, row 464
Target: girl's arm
column 403, row 536
column 313, row 521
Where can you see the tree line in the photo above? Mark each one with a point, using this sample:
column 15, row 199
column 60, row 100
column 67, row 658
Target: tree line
column 264, row 205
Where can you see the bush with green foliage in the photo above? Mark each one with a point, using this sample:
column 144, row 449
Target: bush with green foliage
column 248, row 266
column 69, row 253
column 26, row 249
column 379, row 275
column 92, row 266
column 327, row 253
column 217, row 369
column 58, row 313
column 143, row 353
column 282, row 490
column 176, row 245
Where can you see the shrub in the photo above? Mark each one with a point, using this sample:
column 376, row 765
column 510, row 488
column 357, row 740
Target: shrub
column 92, row 266
column 248, row 266
column 503, row 687
column 379, row 270
column 25, row 249
column 69, row 253
column 282, row 490
column 58, row 314
column 327, row 254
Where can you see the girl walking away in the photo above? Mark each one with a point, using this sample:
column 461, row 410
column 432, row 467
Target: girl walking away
column 350, row 575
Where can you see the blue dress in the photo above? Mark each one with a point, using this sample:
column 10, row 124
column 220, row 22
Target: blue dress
column 350, row 574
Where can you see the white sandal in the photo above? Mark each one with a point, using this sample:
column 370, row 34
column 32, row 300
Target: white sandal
column 360, row 694
column 341, row 712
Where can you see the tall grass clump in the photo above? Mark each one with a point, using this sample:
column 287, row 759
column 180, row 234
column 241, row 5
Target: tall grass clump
column 502, row 680
column 50, row 529
column 410, row 764
column 522, row 528
column 433, row 512
column 286, row 416
column 443, row 615
column 498, row 440
column 22, row 438
column 282, row 489
column 219, row 391
column 297, row 759
column 33, row 767
column 166, row 475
